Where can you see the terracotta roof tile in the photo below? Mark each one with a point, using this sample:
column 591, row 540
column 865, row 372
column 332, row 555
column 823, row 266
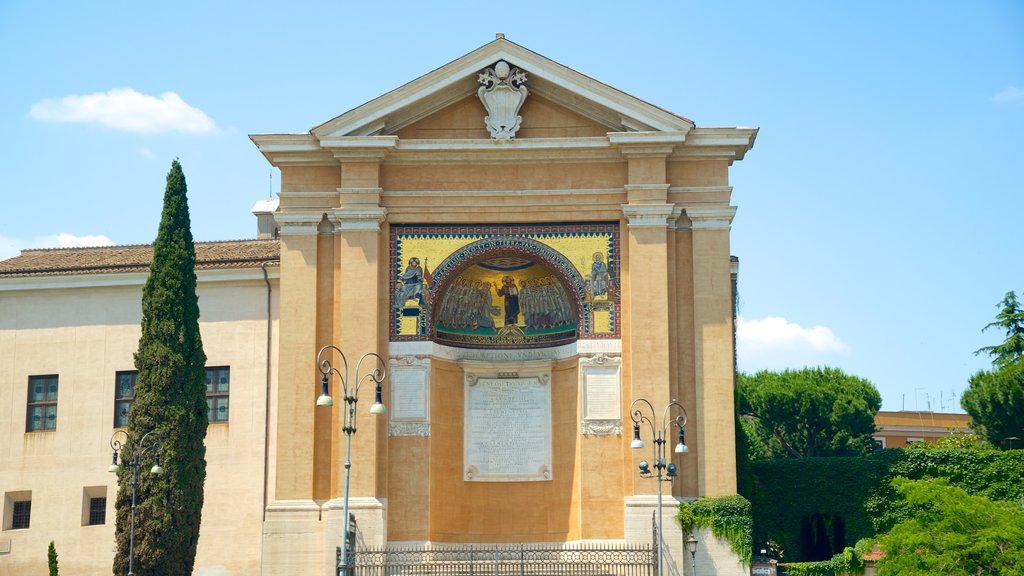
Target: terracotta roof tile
column 134, row 258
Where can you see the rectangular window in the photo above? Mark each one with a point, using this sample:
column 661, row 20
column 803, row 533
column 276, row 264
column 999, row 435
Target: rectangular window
column 22, row 515
column 94, row 505
column 218, row 382
column 97, row 511
column 124, row 395
column 42, row 403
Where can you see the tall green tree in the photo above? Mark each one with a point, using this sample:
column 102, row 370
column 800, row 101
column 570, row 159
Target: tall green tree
column 1011, row 320
column 995, row 401
column 170, row 400
column 953, row 533
column 809, row 412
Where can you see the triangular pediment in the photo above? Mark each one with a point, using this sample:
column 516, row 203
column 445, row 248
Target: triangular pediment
column 562, row 100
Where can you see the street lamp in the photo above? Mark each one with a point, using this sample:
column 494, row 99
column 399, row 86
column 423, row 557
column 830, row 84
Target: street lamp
column 691, row 545
column 664, row 471
column 348, row 425
column 149, row 443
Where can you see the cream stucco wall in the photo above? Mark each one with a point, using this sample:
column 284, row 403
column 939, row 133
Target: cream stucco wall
column 85, row 334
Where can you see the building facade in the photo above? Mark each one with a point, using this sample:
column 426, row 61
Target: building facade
column 527, row 250
column 897, row 429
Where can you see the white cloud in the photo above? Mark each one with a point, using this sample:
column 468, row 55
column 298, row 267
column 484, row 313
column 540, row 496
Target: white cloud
column 128, row 110
column 1011, row 95
column 11, row 247
column 145, row 152
column 774, row 343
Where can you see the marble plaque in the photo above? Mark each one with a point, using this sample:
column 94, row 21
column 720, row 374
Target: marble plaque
column 409, row 395
column 601, row 388
column 507, row 429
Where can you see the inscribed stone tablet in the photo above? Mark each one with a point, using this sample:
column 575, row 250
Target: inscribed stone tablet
column 507, row 430
column 602, row 393
column 409, row 394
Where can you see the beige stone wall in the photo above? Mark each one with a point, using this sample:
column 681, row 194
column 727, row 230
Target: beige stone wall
column 539, row 511
column 85, row 335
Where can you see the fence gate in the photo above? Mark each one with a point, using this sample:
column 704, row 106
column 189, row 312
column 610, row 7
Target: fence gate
column 612, row 559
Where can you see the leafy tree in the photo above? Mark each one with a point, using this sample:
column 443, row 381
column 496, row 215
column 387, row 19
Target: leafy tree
column 995, row 401
column 1010, row 319
column 809, row 412
column 956, row 440
column 51, row 559
column 170, row 400
column 953, row 533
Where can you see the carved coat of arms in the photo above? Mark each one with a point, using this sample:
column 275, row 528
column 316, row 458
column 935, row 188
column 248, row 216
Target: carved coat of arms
column 503, row 92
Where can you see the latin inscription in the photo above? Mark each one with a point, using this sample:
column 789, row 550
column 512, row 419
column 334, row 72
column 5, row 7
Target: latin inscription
column 409, row 394
column 507, row 430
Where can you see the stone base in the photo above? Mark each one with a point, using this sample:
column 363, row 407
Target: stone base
column 302, row 536
column 713, row 558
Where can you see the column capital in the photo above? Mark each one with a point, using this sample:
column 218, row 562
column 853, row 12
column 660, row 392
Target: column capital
column 648, row 215
column 710, row 217
column 363, row 218
column 359, row 148
column 646, row 143
column 295, row 223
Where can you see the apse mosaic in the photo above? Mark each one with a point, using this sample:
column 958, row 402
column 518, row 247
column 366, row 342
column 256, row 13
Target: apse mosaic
column 510, row 286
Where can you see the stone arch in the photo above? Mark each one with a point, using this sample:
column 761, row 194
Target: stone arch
column 512, row 246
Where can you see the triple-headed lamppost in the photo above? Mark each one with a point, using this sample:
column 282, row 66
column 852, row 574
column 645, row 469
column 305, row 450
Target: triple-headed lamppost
column 348, row 425
column 149, row 443
column 665, row 471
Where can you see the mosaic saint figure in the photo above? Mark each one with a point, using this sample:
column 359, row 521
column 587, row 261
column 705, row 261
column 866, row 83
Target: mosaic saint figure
column 484, row 311
column 411, row 284
column 510, row 292
column 526, row 302
column 599, row 278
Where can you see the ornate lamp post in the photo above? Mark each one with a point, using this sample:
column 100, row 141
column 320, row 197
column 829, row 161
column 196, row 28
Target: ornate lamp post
column 691, row 545
column 664, row 471
column 149, row 443
column 348, row 425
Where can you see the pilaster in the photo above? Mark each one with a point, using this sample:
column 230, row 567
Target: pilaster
column 713, row 348
column 361, row 295
column 296, row 371
column 648, row 215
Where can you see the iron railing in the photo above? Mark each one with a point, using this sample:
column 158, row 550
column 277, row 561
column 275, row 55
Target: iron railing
column 584, row 559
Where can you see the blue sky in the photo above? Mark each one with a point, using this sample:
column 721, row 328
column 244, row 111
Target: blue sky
column 880, row 210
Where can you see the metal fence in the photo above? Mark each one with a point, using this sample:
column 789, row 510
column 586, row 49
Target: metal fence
column 585, row 559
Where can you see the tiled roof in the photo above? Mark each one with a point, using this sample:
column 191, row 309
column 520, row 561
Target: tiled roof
column 135, row 258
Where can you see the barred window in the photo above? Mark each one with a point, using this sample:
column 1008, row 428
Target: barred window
column 97, row 511
column 218, row 382
column 22, row 515
column 42, row 403
column 124, row 395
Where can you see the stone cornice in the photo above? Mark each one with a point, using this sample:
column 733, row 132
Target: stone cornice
column 648, row 215
column 710, row 217
column 716, row 143
column 698, row 144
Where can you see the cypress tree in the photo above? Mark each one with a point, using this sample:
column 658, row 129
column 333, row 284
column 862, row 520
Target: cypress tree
column 51, row 559
column 170, row 399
